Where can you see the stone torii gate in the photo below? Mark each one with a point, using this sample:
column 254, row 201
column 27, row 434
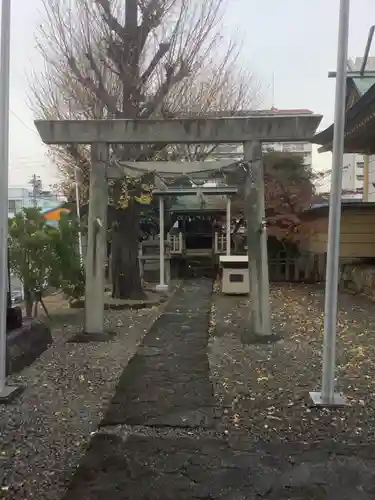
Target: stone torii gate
column 251, row 131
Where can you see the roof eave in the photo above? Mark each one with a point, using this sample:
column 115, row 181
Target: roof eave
column 325, row 137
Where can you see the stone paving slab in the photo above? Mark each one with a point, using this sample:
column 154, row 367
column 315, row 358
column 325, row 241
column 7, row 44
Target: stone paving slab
column 167, row 467
column 167, row 382
column 154, row 468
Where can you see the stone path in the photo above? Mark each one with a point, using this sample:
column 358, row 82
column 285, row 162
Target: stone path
column 161, row 418
column 159, row 439
column 167, row 382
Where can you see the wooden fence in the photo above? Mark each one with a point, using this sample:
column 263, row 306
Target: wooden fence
column 290, row 269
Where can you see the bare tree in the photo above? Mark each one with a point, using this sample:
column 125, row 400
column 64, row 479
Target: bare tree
column 130, row 59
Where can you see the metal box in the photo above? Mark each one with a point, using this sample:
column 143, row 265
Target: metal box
column 235, row 274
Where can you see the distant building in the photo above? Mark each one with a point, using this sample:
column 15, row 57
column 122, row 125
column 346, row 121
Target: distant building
column 20, row 197
column 353, row 174
column 303, row 149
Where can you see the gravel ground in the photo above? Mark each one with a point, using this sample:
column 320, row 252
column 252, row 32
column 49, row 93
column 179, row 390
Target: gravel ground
column 263, row 439
column 264, row 388
column 46, row 431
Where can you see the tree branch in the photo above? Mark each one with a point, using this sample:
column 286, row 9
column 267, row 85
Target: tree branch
column 110, row 19
column 152, row 14
column 99, row 90
column 163, row 50
column 171, row 79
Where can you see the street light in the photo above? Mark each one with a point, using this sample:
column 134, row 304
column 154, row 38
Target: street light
column 7, row 392
column 328, row 396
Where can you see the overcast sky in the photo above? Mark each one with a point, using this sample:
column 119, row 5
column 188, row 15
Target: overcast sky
column 294, row 39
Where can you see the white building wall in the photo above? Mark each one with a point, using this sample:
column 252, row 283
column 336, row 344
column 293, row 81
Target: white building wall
column 353, row 174
column 235, row 151
column 228, row 151
column 19, row 198
column 298, row 148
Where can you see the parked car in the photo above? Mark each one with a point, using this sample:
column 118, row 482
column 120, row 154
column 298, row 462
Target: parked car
column 16, row 296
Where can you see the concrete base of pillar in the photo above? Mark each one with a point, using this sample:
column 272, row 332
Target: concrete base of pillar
column 162, row 288
column 338, row 400
column 9, row 393
column 83, row 337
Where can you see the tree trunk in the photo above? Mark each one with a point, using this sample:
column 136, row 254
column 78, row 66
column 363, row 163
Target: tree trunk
column 29, row 301
column 35, row 315
column 126, row 277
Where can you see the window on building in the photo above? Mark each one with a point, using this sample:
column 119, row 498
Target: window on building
column 360, row 177
column 360, row 164
column 12, row 205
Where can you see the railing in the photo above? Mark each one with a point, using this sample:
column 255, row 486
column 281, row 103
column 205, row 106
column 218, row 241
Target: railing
column 289, row 269
column 220, row 243
column 177, row 243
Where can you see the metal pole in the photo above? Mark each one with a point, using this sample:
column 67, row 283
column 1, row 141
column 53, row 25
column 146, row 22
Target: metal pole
column 366, row 172
column 367, row 50
column 9, row 291
column 327, row 396
column 228, row 228
column 162, row 285
column 6, row 392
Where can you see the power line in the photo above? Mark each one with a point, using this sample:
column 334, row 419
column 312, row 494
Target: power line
column 23, row 123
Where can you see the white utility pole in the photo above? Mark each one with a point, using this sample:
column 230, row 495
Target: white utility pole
column 328, row 396
column 34, row 182
column 162, row 286
column 7, row 392
column 228, row 226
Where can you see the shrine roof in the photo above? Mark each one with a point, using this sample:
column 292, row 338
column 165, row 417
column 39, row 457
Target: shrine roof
column 192, row 203
column 359, row 127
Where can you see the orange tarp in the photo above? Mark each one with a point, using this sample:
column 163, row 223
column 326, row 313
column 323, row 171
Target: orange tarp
column 54, row 215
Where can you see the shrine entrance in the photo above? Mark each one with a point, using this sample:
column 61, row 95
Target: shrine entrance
column 198, row 231
column 199, row 235
column 200, row 227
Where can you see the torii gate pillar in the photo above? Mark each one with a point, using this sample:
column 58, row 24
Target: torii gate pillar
column 97, row 246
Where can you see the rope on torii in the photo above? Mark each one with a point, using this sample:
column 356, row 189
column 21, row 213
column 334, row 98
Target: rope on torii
column 166, row 170
column 175, row 170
